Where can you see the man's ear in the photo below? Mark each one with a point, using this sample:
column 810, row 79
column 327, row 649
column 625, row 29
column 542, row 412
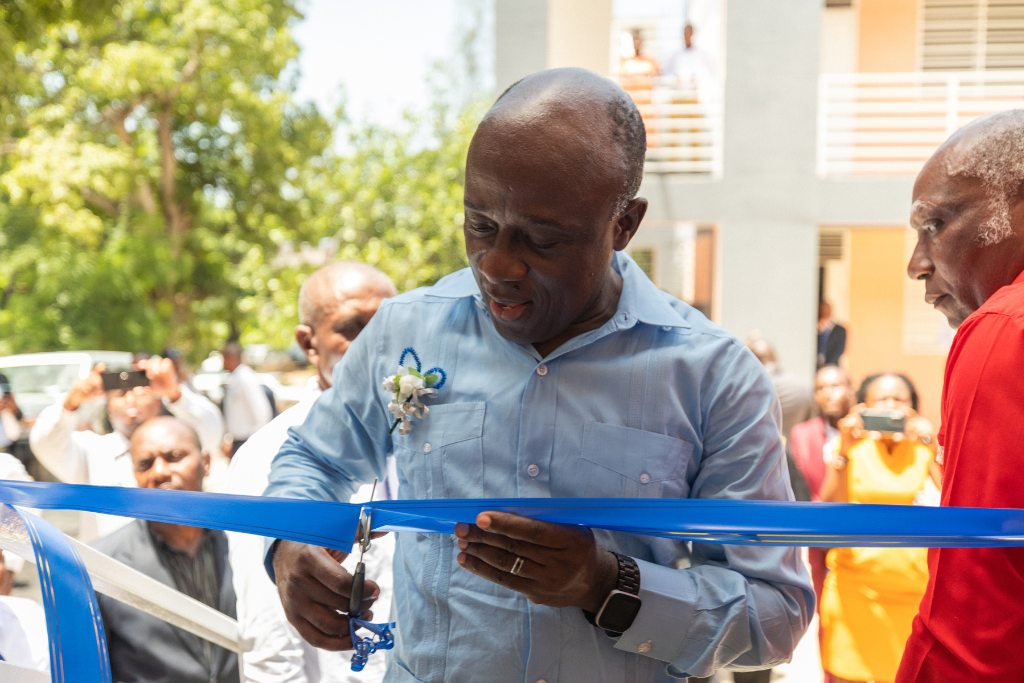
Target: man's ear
column 205, row 455
column 628, row 223
column 304, row 336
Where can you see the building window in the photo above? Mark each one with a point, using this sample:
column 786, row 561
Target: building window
column 972, row 35
column 645, row 259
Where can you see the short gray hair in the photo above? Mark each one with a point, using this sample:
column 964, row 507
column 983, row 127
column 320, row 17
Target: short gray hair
column 994, row 154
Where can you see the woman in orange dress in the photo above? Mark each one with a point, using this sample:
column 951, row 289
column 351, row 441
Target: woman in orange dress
column 871, row 595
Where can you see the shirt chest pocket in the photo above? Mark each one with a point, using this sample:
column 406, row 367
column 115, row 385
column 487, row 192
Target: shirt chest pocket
column 622, row 462
column 442, row 457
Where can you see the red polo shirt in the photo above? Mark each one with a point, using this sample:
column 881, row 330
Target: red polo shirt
column 971, row 623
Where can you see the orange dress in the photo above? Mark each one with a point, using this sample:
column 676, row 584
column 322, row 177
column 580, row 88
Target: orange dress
column 871, row 595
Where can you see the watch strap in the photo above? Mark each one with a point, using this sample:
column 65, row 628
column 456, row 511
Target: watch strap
column 628, row 582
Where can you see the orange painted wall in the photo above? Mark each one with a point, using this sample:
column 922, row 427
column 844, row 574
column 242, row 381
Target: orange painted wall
column 877, row 271
column 888, row 35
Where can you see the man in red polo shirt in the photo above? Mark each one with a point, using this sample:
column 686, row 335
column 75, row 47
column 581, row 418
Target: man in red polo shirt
column 968, row 212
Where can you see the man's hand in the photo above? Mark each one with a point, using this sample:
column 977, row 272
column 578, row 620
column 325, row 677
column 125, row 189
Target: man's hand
column 314, row 588
column 851, row 429
column 920, row 430
column 7, row 403
column 563, row 566
column 86, row 388
column 163, row 378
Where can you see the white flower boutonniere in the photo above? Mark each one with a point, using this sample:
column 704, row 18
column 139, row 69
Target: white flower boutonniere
column 407, row 387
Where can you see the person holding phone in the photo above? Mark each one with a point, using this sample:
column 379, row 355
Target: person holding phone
column 84, row 457
column 885, row 454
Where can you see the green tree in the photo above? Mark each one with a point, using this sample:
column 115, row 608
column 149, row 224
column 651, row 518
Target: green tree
column 157, row 149
column 393, row 199
column 157, row 181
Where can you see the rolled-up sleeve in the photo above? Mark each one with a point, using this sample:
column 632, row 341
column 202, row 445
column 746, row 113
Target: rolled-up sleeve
column 736, row 607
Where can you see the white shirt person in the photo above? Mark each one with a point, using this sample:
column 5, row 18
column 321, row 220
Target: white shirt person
column 85, row 457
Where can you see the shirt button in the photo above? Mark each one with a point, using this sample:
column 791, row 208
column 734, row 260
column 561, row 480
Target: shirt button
column 645, row 478
column 644, row 646
column 542, row 369
column 533, row 470
column 426, row 448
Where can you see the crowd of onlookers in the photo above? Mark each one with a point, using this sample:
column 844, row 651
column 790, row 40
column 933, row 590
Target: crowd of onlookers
column 167, row 435
column 867, row 597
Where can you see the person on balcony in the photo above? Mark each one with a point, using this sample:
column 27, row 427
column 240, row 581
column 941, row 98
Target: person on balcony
column 690, row 65
column 870, row 595
column 166, row 454
column 968, row 212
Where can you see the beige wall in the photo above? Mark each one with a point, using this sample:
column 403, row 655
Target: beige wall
column 579, row 34
column 876, row 318
column 888, row 35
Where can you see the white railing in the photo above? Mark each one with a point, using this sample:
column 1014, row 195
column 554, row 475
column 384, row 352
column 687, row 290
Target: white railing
column 684, row 125
column 890, row 123
column 130, row 586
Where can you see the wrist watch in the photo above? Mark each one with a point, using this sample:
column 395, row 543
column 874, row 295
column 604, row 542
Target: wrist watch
column 622, row 604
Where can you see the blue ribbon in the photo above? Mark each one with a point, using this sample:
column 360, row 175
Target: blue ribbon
column 78, row 647
column 78, row 650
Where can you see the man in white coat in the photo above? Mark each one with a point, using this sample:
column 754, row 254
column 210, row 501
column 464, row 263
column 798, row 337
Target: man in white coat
column 84, row 457
column 335, row 304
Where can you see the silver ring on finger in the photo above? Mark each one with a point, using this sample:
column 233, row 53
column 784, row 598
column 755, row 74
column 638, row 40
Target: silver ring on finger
column 517, row 567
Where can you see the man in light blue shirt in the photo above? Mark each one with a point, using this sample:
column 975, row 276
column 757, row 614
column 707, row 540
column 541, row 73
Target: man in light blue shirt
column 568, row 375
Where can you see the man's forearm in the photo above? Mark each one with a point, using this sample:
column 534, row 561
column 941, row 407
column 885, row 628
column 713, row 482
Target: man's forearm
column 51, row 442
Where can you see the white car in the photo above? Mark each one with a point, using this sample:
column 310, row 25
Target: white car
column 39, row 379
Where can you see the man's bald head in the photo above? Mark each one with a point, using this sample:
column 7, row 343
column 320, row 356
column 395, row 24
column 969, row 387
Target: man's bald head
column 335, row 304
column 595, row 108
column 166, row 424
column 338, row 281
column 166, row 454
column 991, row 150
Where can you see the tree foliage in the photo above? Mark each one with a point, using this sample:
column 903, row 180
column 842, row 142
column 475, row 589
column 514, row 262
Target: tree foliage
column 154, row 163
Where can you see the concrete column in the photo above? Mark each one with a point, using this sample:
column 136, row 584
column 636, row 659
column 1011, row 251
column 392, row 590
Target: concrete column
column 769, row 230
column 520, row 40
column 579, row 34
column 533, row 35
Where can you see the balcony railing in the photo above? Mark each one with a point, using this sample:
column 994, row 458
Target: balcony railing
column 890, row 123
column 684, row 126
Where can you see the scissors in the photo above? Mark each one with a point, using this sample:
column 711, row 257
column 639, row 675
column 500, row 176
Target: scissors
column 381, row 638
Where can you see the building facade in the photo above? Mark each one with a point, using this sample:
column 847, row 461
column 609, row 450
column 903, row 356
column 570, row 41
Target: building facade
column 783, row 150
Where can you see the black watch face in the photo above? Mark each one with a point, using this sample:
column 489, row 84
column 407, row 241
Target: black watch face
column 619, row 612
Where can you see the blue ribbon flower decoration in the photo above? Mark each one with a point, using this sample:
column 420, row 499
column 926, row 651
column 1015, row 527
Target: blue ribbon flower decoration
column 407, row 387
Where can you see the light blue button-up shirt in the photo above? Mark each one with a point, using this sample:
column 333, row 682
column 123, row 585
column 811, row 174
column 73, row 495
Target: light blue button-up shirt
column 658, row 402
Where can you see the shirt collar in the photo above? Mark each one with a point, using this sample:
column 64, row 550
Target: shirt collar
column 1019, row 279
column 640, row 299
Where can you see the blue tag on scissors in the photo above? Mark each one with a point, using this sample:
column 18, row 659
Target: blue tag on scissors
column 381, row 639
